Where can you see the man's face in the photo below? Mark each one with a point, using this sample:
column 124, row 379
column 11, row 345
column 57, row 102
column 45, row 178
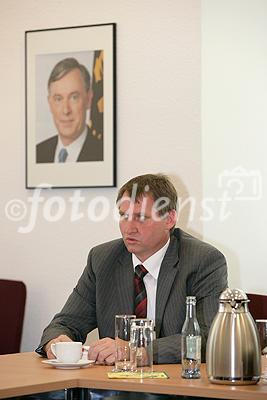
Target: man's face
column 142, row 233
column 68, row 101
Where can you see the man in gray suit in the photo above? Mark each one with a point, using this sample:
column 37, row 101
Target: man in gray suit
column 69, row 98
column 178, row 265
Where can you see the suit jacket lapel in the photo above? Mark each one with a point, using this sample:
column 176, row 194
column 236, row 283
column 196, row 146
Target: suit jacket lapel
column 124, row 274
column 92, row 149
column 168, row 271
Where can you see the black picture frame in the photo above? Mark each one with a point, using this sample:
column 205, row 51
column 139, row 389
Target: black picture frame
column 94, row 165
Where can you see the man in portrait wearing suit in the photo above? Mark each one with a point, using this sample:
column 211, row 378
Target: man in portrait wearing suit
column 177, row 265
column 69, row 98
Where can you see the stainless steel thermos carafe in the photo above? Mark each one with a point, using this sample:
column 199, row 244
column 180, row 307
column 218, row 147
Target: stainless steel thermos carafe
column 233, row 354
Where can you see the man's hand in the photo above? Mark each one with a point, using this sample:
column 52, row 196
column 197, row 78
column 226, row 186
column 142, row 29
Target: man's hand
column 47, row 347
column 103, row 351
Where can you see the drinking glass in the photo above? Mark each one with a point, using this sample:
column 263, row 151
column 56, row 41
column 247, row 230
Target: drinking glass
column 142, row 336
column 123, row 360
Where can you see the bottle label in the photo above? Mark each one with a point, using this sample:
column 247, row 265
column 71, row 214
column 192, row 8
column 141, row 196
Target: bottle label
column 193, row 347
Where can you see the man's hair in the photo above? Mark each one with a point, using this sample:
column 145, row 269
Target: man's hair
column 65, row 66
column 157, row 185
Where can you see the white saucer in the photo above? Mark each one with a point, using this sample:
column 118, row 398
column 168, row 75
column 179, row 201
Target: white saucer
column 60, row 365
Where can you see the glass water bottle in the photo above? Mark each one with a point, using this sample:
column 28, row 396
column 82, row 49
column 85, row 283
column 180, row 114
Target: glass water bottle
column 191, row 342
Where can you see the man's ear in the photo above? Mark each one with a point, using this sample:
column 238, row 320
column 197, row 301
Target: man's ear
column 171, row 219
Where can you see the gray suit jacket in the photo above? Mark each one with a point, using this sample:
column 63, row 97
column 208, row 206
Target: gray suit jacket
column 190, row 267
column 92, row 149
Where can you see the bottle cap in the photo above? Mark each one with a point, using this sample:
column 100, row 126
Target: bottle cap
column 191, row 300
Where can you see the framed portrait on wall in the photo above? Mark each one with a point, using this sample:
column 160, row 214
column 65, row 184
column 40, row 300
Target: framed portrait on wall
column 71, row 106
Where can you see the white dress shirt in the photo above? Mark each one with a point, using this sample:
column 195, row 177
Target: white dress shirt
column 152, row 265
column 73, row 148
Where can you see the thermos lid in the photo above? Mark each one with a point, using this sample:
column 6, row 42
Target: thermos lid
column 233, row 295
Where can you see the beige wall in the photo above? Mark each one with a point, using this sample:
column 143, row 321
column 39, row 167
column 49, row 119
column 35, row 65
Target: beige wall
column 234, row 135
column 158, row 119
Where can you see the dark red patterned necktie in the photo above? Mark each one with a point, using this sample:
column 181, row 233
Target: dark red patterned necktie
column 140, row 292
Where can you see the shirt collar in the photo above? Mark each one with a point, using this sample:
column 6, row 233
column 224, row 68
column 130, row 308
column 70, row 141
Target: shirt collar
column 153, row 263
column 73, row 148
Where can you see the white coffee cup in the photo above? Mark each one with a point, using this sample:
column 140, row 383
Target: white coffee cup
column 67, row 352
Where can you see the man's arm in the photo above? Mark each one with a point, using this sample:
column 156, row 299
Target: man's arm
column 210, row 280
column 78, row 316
